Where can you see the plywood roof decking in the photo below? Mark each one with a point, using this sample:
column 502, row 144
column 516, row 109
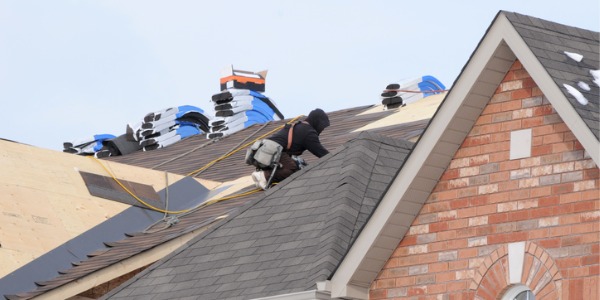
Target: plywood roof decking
column 45, row 202
column 179, row 158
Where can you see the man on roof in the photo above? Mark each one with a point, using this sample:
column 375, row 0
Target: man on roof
column 294, row 139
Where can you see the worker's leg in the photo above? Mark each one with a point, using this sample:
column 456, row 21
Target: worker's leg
column 287, row 167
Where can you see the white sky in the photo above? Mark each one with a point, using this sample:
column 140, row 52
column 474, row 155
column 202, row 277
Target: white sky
column 72, row 69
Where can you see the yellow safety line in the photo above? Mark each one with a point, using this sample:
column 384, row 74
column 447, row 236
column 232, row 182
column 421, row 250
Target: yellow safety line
column 240, row 148
column 169, row 211
column 194, row 172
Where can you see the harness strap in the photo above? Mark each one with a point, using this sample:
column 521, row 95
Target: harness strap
column 291, row 134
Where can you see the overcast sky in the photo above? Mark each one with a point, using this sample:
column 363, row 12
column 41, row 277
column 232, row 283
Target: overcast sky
column 72, row 69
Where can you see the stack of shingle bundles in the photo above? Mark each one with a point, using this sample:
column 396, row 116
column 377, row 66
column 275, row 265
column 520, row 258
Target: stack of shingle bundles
column 236, row 109
column 240, row 103
column 168, row 126
column 87, row 145
column 407, row 91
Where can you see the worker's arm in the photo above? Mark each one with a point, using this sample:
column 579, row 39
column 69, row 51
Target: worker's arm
column 313, row 144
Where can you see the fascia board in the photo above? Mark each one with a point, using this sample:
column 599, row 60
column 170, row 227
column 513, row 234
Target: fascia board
column 551, row 90
column 350, row 267
column 308, row 295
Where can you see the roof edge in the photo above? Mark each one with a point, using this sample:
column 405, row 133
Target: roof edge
column 414, row 182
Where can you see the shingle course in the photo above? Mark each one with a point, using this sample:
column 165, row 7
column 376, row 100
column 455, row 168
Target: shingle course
column 313, row 229
column 548, row 41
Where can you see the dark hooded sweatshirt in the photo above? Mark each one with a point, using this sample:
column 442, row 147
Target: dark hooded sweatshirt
column 305, row 136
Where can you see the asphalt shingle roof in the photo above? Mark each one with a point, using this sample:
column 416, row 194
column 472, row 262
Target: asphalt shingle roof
column 548, row 41
column 286, row 241
column 191, row 153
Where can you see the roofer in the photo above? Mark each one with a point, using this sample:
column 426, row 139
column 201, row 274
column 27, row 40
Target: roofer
column 291, row 141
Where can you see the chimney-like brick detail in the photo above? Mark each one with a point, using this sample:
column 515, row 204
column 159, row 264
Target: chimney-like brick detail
column 484, row 201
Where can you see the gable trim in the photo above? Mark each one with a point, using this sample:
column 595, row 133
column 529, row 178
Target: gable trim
column 493, row 57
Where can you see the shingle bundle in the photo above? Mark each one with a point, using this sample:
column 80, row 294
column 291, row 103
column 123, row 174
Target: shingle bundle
column 402, row 93
column 168, row 126
column 158, row 129
column 87, row 145
column 236, row 109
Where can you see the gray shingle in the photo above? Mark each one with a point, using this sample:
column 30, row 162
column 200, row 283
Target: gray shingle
column 548, row 41
column 297, row 234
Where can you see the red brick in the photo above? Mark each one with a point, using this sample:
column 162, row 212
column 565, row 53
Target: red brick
column 459, row 203
column 467, row 253
column 550, row 243
column 570, row 241
column 562, row 188
column 532, row 122
column 541, row 150
column 528, row 81
column 540, row 192
column 385, row 283
column 487, row 119
column 548, row 201
column 377, row 294
column 403, row 281
column 583, row 206
column 543, row 110
column 476, row 140
column 591, row 174
column 542, row 130
column 416, row 291
column 457, row 286
column 517, row 65
column 479, row 200
column 492, row 108
column 521, row 94
column 445, row 277
column 436, row 227
column 449, row 174
column 485, row 230
column 438, row 267
column 511, row 125
column 562, row 147
column 498, row 218
column 590, row 260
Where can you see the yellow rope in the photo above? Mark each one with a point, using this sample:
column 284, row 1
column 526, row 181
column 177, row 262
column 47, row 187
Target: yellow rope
column 169, row 211
column 194, row 172
column 240, row 148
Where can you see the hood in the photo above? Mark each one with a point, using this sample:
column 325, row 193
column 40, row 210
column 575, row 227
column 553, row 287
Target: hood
column 318, row 119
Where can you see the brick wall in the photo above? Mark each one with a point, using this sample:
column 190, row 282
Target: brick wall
column 457, row 246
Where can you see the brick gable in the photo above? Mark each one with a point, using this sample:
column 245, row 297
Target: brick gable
column 485, row 201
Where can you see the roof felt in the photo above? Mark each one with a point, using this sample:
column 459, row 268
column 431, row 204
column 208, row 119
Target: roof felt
column 285, row 242
column 138, row 242
column 548, row 41
column 192, row 153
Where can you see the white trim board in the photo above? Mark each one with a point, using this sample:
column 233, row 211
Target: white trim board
column 484, row 71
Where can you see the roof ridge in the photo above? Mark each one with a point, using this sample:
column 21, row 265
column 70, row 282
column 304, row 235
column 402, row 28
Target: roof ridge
column 556, row 27
column 348, row 205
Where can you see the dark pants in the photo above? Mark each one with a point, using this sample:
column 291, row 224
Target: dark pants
column 287, row 166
